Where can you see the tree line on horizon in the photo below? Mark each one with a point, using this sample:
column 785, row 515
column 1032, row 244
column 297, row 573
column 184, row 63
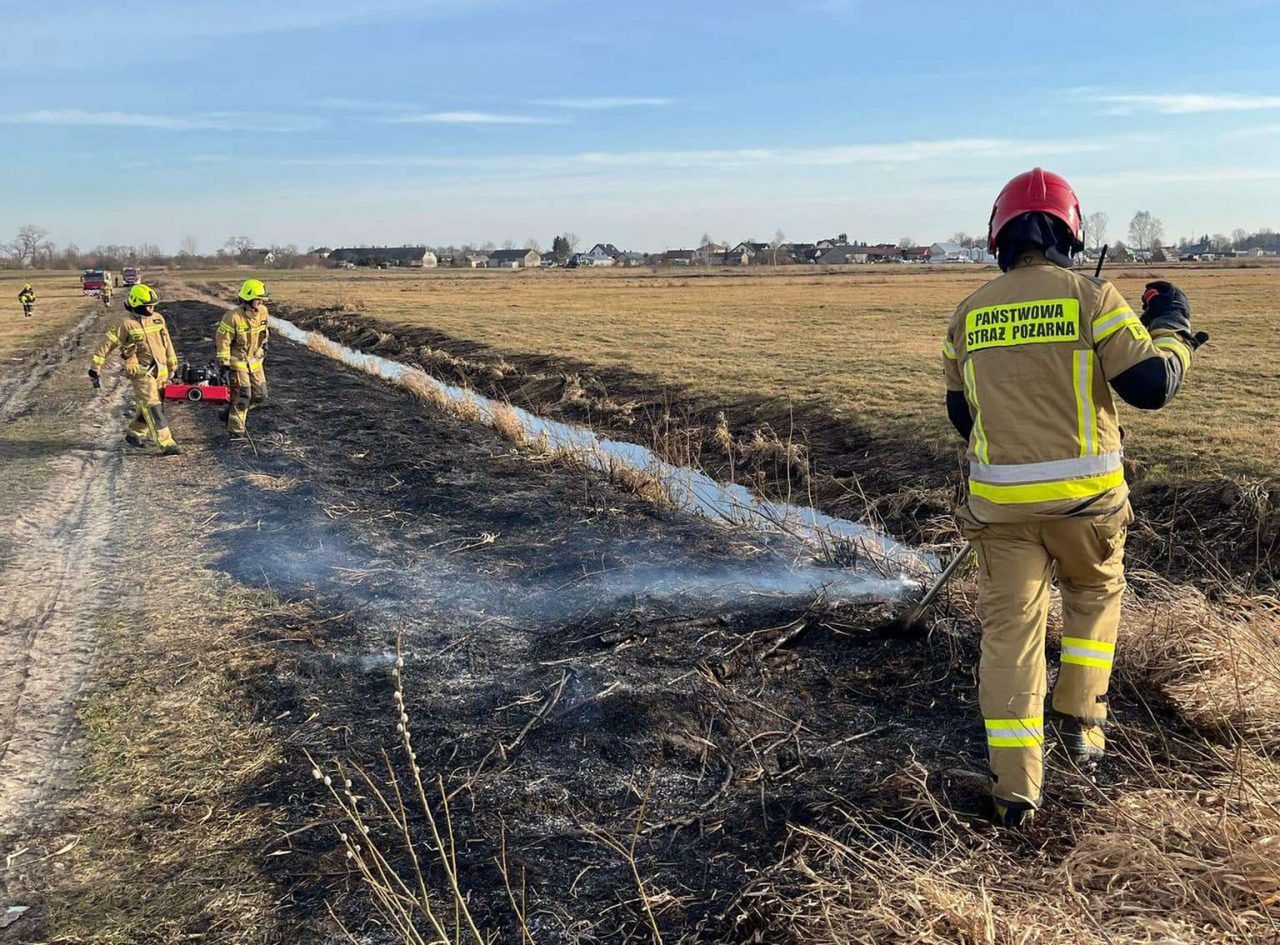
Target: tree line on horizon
column 31, row 247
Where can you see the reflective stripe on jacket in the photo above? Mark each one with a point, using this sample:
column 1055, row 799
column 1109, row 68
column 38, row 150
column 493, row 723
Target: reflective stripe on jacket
column 241, row 337
column 1033, row 350
column 143, row 341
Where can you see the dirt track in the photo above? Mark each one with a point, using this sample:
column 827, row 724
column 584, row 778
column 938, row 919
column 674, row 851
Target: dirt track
column 58, row 568
column 577, row 661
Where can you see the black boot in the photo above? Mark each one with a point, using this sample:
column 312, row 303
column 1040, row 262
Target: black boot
column 1014, row 815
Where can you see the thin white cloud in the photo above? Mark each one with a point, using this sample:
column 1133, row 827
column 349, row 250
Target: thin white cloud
column 469, row 118
column 213, row 121
column 1185, row 104
column 882, row 155
column 602, row 102
column 840, row 155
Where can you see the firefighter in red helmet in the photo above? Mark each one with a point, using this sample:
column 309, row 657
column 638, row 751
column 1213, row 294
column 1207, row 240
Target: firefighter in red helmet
column 1031, row 360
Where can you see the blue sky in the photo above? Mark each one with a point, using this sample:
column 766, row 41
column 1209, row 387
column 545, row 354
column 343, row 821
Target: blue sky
column 642, row 124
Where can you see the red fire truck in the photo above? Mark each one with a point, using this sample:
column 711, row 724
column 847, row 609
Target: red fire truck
column 93, row 281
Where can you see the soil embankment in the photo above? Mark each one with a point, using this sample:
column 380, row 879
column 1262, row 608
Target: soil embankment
column 1208, row 531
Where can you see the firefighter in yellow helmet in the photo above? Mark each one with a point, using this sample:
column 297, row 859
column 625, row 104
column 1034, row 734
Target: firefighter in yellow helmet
column 149, row 361
column 1031, row 360
column 27, row 296
column 241, row 350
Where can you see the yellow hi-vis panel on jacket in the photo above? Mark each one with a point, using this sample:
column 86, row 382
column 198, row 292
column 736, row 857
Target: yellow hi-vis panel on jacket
column 1023, row 323
column 1034, row 351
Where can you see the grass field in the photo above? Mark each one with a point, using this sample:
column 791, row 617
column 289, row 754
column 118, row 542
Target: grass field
column 59, row 305
column 860, row 343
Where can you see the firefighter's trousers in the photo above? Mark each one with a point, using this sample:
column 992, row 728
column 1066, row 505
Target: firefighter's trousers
column 248, row 386
column 1016, row 565
column 148, row 418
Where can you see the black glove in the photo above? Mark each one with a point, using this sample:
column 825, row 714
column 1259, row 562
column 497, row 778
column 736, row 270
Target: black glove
column 224, row 374
column 94, row 378
column 1164, row 305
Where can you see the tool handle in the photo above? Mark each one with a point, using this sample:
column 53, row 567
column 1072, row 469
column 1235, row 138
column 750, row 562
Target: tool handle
column 1199, row 340
column 1102, row 258
column 945, row 576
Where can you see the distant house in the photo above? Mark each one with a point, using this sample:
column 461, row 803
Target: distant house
column 730, row 257
column 948, row 253
column 262, row 257
column 601, row 250
column 751, row 250
column 602, row 254
column 548, row 259
column 708, row 252
column 472, row 260
column 514, row 259
column 678, row 257
column 412, row 257
column 628, row 258
column 842, row 255
column 1164, row 254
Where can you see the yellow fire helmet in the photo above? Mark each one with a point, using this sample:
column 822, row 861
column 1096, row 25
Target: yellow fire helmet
column 254, row 291
column 27, row 287
column 141, row 296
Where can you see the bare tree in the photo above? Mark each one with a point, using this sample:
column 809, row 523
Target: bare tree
column 237, row 246
column 774, row 244
column 533, row 244
column 1240, row 238
column 1095, row 230
column 571, row 239
column 29, row 243
column 1145, row 230
column 189, row 246
column 508, row 244
column 905, row 242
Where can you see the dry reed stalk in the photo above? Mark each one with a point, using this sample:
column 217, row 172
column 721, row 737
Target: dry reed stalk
column 503, row 419
column 402, row 893
column 1217, row 663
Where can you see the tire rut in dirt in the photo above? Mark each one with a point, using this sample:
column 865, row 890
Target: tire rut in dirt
column 60, row 573
column 735, row 711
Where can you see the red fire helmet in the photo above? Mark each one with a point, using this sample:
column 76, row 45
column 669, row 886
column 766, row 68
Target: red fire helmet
column 1037, row 189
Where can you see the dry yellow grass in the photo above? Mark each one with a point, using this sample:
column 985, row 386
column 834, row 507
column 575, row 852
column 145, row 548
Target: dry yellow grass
column 59, row 305
column 862, row 342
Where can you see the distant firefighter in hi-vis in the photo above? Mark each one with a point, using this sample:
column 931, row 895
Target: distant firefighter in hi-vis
column 242, row 348
column 146, row 351
column 1031, row 360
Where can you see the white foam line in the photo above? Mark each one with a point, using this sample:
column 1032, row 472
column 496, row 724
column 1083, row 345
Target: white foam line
column 690, row 489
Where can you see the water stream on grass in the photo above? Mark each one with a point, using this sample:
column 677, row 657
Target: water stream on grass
column 688, row 488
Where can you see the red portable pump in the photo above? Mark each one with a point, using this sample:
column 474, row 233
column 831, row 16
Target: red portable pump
column 195, row 384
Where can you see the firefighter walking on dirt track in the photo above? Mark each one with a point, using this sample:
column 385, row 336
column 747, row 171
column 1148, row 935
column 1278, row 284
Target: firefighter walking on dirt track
column 242, row 348
column 1031, row 359
column 149, row 361
column 27, row 296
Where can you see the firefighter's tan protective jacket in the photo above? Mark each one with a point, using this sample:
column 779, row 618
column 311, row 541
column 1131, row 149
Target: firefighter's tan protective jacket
column 242, row 338
column 1033, row 350
column 145, row 346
